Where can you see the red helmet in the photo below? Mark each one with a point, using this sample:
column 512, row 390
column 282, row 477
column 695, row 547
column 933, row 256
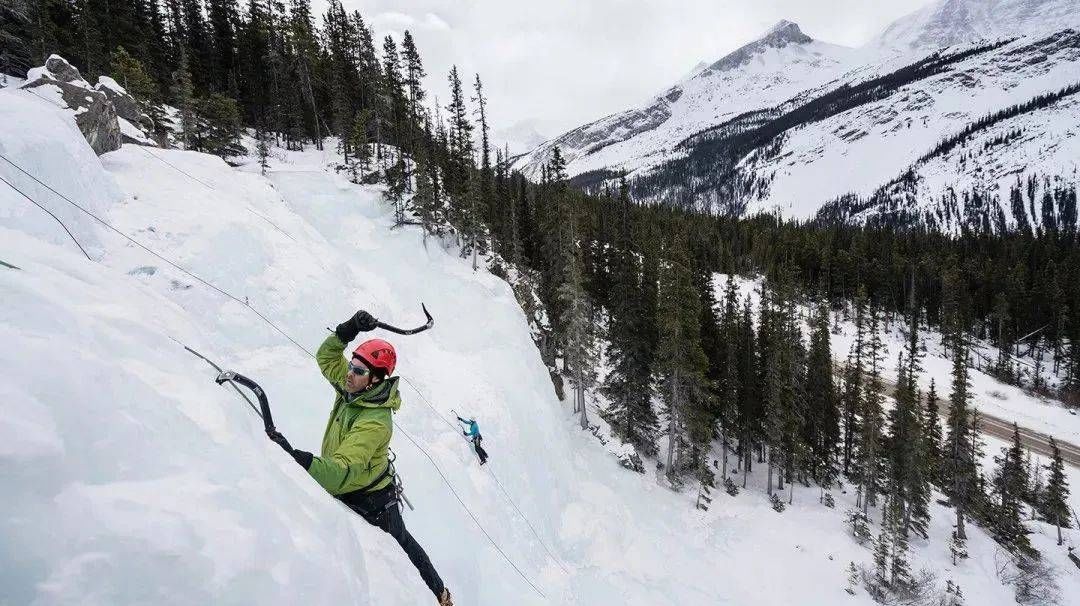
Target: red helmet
column 377, row 353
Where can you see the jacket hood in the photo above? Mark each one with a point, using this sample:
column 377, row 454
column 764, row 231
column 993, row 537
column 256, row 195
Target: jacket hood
column 383, row 394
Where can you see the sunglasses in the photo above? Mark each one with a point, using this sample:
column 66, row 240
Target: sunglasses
column 359, row 369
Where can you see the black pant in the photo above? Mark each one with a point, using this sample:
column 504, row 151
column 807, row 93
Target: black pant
column 480, row 452
column 380, row 508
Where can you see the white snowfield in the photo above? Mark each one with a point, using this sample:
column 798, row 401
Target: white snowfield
column 129, row 477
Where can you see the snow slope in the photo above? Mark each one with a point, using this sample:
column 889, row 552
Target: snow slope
column 130, row 478
column 861, row 149
column 1044, row 143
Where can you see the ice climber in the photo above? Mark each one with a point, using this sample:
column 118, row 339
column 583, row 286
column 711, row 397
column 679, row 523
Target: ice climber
column 354, row 465
column 472, row 432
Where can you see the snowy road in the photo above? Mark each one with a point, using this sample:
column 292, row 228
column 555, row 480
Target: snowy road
column 1034, row 441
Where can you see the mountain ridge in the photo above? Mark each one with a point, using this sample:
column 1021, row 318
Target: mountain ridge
column 785, row 70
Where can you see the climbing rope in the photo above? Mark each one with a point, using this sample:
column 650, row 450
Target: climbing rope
column 469, row 511
column 506, row 495
column 50, row 213
column 164, row 259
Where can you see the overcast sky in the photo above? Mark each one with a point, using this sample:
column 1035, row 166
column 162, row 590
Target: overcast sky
column 563, row 63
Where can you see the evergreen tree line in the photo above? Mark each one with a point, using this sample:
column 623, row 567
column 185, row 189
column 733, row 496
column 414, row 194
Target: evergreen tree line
column 1046, row 205
column 1020, row 290
column 266, row 64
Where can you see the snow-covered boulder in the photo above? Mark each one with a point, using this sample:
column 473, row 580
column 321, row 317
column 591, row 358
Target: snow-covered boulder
column 57, row 68
column 126, row 105
column 61, row 83
column 135, row 126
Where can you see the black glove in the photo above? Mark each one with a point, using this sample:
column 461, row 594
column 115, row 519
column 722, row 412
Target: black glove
column 276, row 437
column 361, row 321
column 300, row 456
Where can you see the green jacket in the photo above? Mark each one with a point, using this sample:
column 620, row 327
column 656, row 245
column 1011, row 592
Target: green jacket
column 357, row 438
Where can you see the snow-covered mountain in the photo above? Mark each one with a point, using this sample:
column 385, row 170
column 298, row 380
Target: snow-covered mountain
column 789, row 124
column 878, row 138
column 949, row 22
column 761, row 74
column 520, row 137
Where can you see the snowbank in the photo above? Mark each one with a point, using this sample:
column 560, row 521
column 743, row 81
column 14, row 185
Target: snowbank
column 45, row 142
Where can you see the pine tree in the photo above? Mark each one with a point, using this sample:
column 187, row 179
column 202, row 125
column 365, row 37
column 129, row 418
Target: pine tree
column 460, row 147
column 729, row 375
column 579, row 350
column 396, row 185
column 222, row 19
column 1010, row 483
column 1054, row 506
column 413, row 69
column 958, row 465
column 854, row 377
column 485, row 176
column 899, row 568
column 871, row 421
column 197, row 45
column 425, row 201
column 305, row 58
column 749, row 413
column 953, row 307
column 958, row 544
column 626, row 386
column 823, row 419
column 552, row 207
column 681, row 362
column 857, row 524
column 932, row 440
column 358, row 140
column 183, row 96
column 706, row 484
column 908, row 487
column 784, row 377
column 255, row 66
column 130, row 73
column 393, row 86
column 881, row 563
column 218, row 126
column 26, row 35
column 342, row 60
column 263, row 151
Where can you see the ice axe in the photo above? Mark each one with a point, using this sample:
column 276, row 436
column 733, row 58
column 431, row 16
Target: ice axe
column 230, row 376
column 408, row 331
column 234, row 379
